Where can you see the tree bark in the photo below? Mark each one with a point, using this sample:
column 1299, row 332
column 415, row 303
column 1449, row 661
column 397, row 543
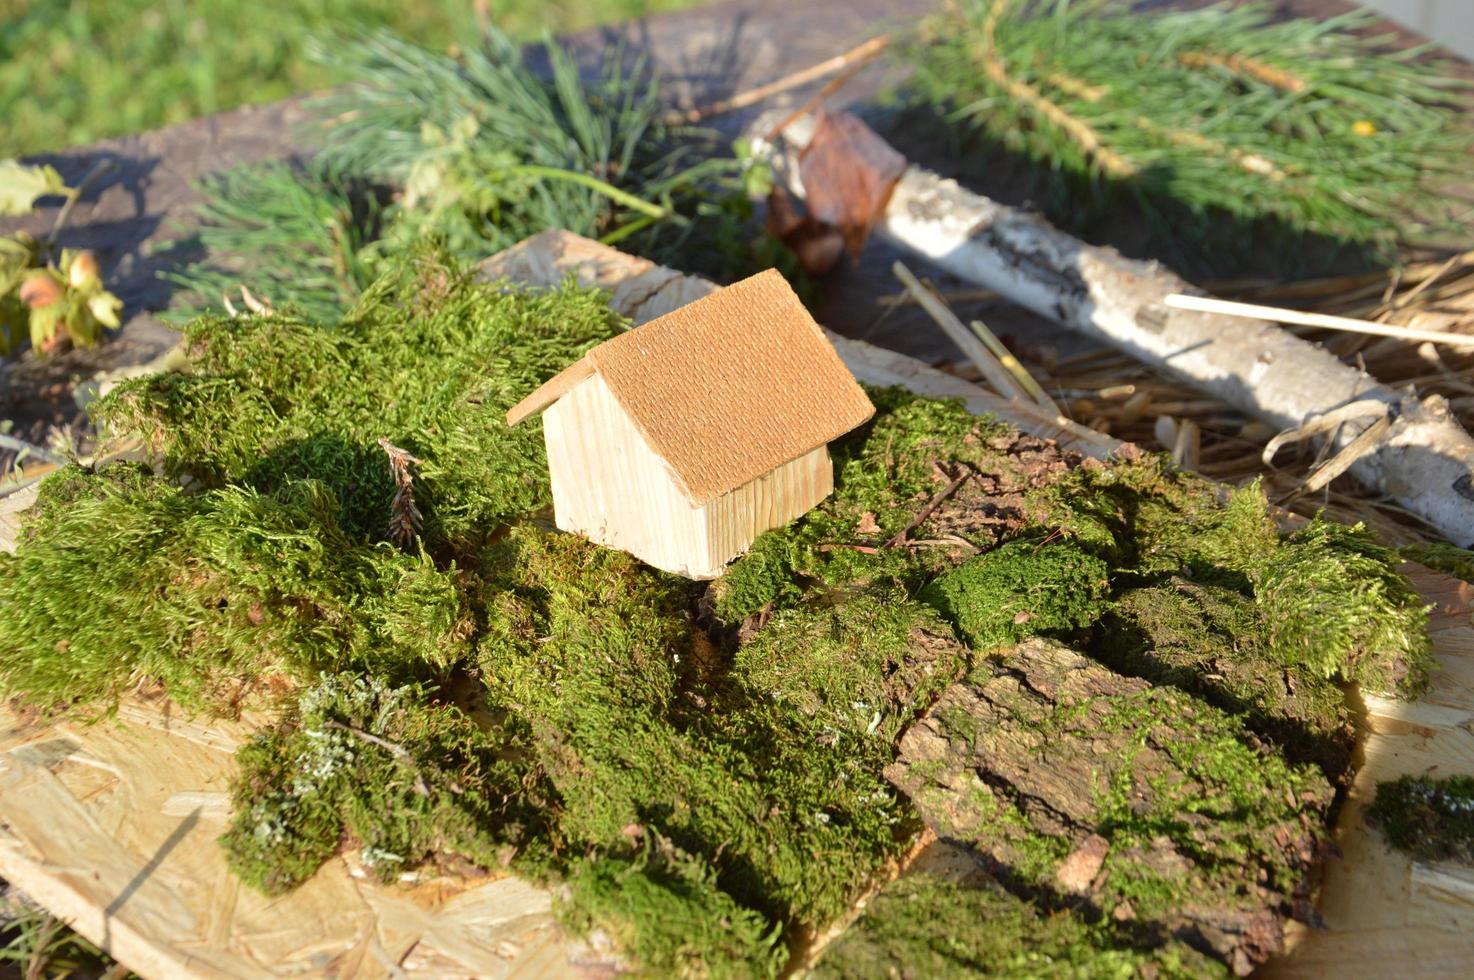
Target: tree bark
column 1426, row 460
column 1087, row 789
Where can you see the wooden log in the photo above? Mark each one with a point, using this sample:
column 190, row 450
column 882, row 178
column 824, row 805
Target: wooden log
column 1426, row 459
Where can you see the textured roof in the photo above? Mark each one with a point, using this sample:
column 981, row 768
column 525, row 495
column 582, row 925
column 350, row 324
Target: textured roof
column 726, row 388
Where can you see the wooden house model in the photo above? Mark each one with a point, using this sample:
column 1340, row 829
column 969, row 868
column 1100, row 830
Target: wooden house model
column 683, row 439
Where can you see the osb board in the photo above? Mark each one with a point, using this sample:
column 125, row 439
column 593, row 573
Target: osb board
column 112, row 826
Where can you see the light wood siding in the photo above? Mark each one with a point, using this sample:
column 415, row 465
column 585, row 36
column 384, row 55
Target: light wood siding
column 610, row 487
column 734, row 519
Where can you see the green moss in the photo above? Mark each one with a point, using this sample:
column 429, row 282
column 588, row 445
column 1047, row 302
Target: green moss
column 1024, row 588
column 1336, row 604
column 406, row 778
column 430, row 359
column 121, row 577
column 1442, row 556
column 1331, row 603
column 923, row 925
column 885, row 473
column 665, row 911
column 1430, row 818
column 1042, row 758
column 762, row 578
column 855, row 672
column 1213, row 641
column 791, row 814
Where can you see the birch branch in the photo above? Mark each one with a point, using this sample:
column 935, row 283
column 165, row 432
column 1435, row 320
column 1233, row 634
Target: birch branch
column 1425, row 460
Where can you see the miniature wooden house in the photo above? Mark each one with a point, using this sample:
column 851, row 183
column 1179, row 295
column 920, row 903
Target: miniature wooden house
column 682, row 440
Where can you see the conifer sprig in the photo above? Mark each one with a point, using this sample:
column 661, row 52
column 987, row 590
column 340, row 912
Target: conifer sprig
column 476, row 150
column 1312, row 126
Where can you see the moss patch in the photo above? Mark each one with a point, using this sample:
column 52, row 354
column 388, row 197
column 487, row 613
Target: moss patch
column 1432, row 819
column 429, row 359
column 1212, row 640
column 1444, row 557
column 760, row 771
column 1080, row 786
column 665, row 911
column 121, row 576
column 923, row 925
column 1024, row 588
column 1337, row 606
column 405, row 778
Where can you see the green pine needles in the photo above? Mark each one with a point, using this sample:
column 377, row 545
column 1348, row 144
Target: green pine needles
column 1306, row 127
column 477, row 151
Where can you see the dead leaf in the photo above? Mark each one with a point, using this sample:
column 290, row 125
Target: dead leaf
column 817, row 245
column 866, row 524
column 848, row 174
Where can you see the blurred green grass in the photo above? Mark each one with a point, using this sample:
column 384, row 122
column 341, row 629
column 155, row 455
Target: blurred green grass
column 76, row 71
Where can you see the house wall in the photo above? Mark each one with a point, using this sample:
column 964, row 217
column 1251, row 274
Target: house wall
column 609, row 486
column 772, row 500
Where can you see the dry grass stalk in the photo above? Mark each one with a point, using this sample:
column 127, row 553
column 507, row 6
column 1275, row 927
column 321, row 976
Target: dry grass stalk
column 405, row 519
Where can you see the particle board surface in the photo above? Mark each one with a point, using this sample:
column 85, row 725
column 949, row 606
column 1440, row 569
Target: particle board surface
column 112, row 826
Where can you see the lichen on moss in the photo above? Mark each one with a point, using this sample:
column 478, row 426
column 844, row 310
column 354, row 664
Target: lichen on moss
column 406, row 778
column 1429, row 817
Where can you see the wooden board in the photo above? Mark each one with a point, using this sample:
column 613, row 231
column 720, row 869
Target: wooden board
column 112, row 826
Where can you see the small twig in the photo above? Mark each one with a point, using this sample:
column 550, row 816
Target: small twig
column 830, row 87
column 863, row 549
column 945, row 541
column 926, row 511
column 860, row 54
column 1013, row 364
column 1325, row 321
column 400, row 753
column 75, row 195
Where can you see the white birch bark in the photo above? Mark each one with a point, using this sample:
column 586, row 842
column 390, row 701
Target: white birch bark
column 1426, row 460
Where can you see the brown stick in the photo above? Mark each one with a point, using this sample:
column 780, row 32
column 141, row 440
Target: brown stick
column 830, row 87
column 926, row 511
column 857, row 56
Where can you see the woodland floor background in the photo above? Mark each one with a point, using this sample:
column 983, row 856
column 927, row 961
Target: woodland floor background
column 77, row 71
